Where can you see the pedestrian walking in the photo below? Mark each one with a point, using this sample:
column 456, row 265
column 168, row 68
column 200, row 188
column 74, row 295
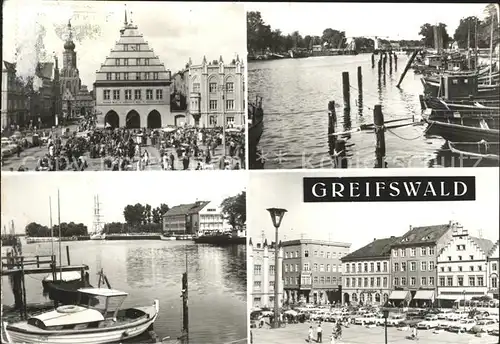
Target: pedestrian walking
column 310, row 334
column 319, row 334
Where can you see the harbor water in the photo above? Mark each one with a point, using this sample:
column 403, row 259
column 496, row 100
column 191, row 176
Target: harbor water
column 296, row 93
column 149, row 270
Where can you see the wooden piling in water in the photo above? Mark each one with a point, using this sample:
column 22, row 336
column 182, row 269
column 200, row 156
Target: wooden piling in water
column 378, row 121
column 360, row 80
column 346, row 90
column 332, row 119
column 390, row 63
column 373, row 60
column 379, row 68
column 395, row 62
column 340, row 154
column 185, row 308
column 23, row 281
column 67, row 255
column 408, row 65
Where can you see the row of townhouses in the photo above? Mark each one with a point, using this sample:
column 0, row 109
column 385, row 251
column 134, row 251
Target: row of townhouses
column 430, row 265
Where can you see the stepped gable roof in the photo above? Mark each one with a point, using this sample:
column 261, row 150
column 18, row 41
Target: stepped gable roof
column 377, row 248
column 495, row 245
column 485, row 244
column 423, row 235
column 186, row 209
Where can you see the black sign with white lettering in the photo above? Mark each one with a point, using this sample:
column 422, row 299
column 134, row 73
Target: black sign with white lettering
column 389, row 189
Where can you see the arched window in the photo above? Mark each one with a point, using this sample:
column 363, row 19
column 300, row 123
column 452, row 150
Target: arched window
column 68, row 84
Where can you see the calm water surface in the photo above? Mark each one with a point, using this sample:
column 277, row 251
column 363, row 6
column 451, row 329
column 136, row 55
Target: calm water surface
column 149, row 270
column 296, row 93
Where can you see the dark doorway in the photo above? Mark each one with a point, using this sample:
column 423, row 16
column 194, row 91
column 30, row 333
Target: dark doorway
column 112, row 120
column 82, row 112
column 154, row 120
column 346, row 298
column 133, row 120
column 179, row 120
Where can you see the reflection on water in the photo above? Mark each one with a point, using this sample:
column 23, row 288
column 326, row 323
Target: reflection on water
column 296, row 93
column 150, row 270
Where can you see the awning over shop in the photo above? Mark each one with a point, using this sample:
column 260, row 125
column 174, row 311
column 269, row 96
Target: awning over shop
column 424, row 295
column 448, row 297
column 399, row 295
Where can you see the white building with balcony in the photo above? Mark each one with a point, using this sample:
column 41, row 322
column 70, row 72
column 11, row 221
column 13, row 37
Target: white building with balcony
column 261, row 282
column 211, row 220
column 132, row 87
column 462, row 267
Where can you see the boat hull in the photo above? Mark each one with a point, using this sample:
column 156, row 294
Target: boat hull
column 461, row 133
column 66, row 292
column 88, row 336
column 489, row 151
column 220, row 240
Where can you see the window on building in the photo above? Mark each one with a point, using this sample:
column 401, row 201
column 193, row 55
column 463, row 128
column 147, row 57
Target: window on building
column 196, row 87
column 322, row 280
column 229, row 87
column 256, row 284
column 212, row 87
column 108, row 76
column 315, row 253
column 149, row 94
column 395, row 252
column 396, row 267
column 322, row 254
column 431, row 281
column 138, row 62
column 459, row 247
column 347, row 282
column 306, row 267
column 372, row 267
column 480, row 281
column 138, row 47
column 315, row 279
column 431, row 266
column 128, row 94
column 403, row 266
column 116, row 94
column 286, row 267
column 423, row 266
column 372, row 282
column 257, row 269
column 230, row 106
column 479, row 268
column 125, row 76
column 360, row 282
column 354, row 282
column 334, row 280
column 460, row 281
column 423, row 251
column 413, row 252
column 460, row 269
column 353, row 267
column 213, row 105
column 296, row 280
column 155, row 75
column 286, row 255
column 403, row 280
column 137, row 94
column 449, row 258
column 146, row 62
column 442, row 269
column 494, row 266
column 365, row 282
column 471, row 268
column 296, row 267
column 327, row 267
column 138, row 76
column 296, row 254
column 423, row 281
column 125, row 47
column 159, row 94
column 125, row 62
column 413, row 266
column 339, row 267
column 471, row 257
column 327, row 255
column 384, row 282
column 306, row 253
column 431, row 251
column 322, row 267
column 378, row 266
column 107, row 94
column 441, row 282
column 402, row 252
column 117, row 62
column 449, row 268
column 315, row 267
column 494, row 283
column 472, row 281
column 396, row 281
column 146, row 75
column 385, row 266
column 347, row 268
column 459, row 257
column 365, row 267
column 413, row 281
column 359, row 267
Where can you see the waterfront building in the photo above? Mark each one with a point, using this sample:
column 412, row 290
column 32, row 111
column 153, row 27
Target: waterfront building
column 14, row 100
column 413, row 264
column 132, row 87
column 492, row 281
column 76, row 99
column 367, row 273
column 462, row 267
column 199, row 218
column 261, row 264
column 312, row 270
column 216, row 91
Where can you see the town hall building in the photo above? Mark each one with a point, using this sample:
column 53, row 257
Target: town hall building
column 132, row 87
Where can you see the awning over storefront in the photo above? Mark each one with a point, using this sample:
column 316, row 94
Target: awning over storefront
column 448, row 297
column 424, row 295
column 399, row 295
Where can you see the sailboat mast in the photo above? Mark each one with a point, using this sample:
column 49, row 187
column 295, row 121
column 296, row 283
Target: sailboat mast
column 491, row 49
column 60, row 230
column 468, row 44
column 476, row 45
column 51, row 226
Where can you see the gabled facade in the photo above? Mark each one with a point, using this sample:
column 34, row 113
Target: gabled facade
column 14, row 99
column 132, row 87
column 367, row 273
column 261, row 276
column 413, row 264
column 493, row 279
column 183, row 219
column 462, row 267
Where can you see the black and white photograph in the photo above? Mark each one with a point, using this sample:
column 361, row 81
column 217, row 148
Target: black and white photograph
column 91, row 260
column 372, row 85
column 371, row 272
column 97, row 85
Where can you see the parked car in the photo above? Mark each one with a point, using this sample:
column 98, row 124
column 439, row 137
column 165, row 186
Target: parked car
column 464, row 325
column 430, row 321
column 363, row 319
column 484, row 325
column 494, row 332
column 396, row 319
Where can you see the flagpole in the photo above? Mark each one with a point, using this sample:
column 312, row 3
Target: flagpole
column 59, row 222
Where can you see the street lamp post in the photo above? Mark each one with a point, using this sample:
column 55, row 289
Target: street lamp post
column 276, row 216
column 386, row 315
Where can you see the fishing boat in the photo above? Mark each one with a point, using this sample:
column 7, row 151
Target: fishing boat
column 459, row 86
column 480, row 150
column 472, row 131
column 168, row 237
column 64, row 289
column 99, row 321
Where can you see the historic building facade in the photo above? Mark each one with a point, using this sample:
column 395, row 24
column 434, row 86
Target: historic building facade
column 493, row 280
column 367, row 273
column 76, row 99
column 312, row 270
column 132, row 87
column 216, row 93
column 183, row 219
column 413, row 264
column 15, row 108
column 261, row 265
column 462, row 267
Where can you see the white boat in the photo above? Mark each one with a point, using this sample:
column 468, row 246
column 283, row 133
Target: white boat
column 100, row 321
column 34, row 240
column 168, row 238
column 97, row 236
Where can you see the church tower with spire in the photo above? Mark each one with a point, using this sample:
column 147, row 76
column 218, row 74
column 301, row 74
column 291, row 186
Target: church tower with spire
column 69, row 77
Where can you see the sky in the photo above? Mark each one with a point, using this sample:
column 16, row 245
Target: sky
column 386, row 20
column 360, row 223
column 176, row 31
column 25, row 196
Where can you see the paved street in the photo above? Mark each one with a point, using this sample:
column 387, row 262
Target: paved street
column 297, row 334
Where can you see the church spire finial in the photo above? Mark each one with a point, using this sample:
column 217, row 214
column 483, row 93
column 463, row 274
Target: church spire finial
column 125, row 21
